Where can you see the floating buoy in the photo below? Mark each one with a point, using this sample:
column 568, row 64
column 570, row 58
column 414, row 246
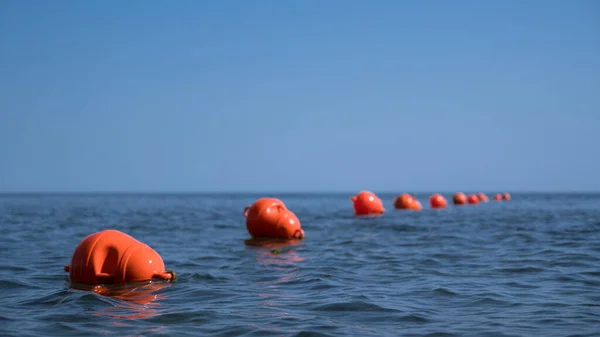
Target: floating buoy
column 407, row 201
column 437, row 201
column 113, row 257
column 270, row 218
column 473, row 199
column 367, row 203
column 416, row 205
column 498, row 197
column 459, row 199
column 506, row 196
column 482, row 197
column 403, row 201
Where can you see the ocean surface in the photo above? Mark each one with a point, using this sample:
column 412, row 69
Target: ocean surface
column 525, row 267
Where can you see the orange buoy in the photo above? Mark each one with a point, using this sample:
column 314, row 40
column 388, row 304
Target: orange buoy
column 437, row 201
column 506, row 196
column 416, row 205
column 498, row 197
column 459, row 199
column 482, row 197
column 113, row 257
column 473, row 199
column 407, row 201
column 367, row 203
column 404, row 201
column 270, row 218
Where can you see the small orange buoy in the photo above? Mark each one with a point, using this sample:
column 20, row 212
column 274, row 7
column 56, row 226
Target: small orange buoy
column 113, row 257
column 270, row 218
column 416, row 205
column 404, row 201
column 367, row 203
column 498, row 197
column 506, row 196
column 459, row 199
column 473, row 199
column 437, row 201
column 482, row 197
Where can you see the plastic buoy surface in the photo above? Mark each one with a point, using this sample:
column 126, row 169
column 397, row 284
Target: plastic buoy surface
column 506, row 196
column 367, row 203
column 482, row 197
column 473, row 199
column 498, row 197
column 416, row 205
column 437, row 201
column 459, row 198
column 270, row 218
column 406, row 201
column 113, row 257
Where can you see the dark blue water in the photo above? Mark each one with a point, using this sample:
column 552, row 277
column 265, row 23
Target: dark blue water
column 526, row 267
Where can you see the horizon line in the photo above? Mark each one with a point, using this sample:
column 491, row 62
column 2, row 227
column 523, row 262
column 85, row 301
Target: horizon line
column 229, row 192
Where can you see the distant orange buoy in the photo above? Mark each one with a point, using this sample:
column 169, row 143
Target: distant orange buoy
column 506, row 196
column 270, row 218
column 407, row 201
column 367, row 203
column 416, row 205
column 459, row 199
column 473, row 199
column 113, row 257
column 437, row 201
column 498, row 197
column 482, row 197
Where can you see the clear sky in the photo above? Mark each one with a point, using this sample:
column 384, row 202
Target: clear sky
column 304, row 95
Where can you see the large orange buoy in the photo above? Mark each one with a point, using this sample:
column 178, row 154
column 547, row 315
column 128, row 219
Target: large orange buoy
column 113, row 257
column 482, row 197
column 437, row 201
column 270, row 218
column 506, row 196
column 473, row 199
column 367, row 203
column 459, row 199
column 498, row 197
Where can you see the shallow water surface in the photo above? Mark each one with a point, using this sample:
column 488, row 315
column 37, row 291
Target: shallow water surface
column 525, row 267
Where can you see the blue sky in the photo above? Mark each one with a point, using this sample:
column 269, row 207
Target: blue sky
column 299, row 95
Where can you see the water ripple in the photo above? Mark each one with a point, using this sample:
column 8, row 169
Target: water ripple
column 528, row 267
